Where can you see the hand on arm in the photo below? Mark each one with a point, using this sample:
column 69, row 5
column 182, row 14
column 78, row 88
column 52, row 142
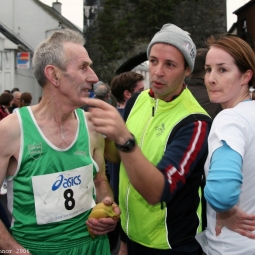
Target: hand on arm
column 222, row 192
column 236, row 220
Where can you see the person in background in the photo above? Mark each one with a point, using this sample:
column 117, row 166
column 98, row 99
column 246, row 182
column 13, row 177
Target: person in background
column 7, row 91
column 14, row 89
column 102, row 92
column 123, row 86
column 54, row 159
column 253, row 95
column 16, row 101
column 5, row 102
column 25, row 100
column 230, row 175
column 195, row 83
column 162, row 147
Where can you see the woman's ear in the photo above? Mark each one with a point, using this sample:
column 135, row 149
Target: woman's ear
column 247, row 77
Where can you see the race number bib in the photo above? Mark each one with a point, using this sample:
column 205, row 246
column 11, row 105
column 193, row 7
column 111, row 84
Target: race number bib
column 63, row 195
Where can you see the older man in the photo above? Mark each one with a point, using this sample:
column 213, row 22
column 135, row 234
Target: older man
column 16, row 101
column 53, row 159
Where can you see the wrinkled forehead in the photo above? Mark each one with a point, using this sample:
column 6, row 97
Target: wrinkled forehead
column 76, row 52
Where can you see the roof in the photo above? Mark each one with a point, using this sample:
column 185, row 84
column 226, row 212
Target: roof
column 247, row 5
column 53, row 12
column 22, row 45
column 233, row 29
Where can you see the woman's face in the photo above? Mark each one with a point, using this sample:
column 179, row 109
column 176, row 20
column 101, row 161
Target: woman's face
column 223, row 80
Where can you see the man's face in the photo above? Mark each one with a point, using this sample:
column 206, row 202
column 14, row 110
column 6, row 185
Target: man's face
column 78, row 78
column 16, row 99
column 167, row 73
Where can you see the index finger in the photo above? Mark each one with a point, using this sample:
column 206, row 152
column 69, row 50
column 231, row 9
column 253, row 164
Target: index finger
column 93, row 102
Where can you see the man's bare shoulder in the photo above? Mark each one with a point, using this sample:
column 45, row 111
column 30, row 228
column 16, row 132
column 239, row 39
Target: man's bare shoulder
column 90, row 125
column 96, row 138
column 10, row 128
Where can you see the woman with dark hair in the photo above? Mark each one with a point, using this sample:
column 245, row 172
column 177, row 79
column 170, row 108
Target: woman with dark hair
column 229, row 168
column 5, row 102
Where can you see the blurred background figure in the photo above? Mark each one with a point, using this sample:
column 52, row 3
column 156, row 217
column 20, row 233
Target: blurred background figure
column 252, row 94
column 124, row 85
column 16, row 101
column 25, row 100
column 102, row 92
column 195, row 82
column 5, row 102
column 14, row 89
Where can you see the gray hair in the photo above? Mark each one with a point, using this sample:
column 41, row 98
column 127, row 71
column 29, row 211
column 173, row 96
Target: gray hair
column 101, row 91
column 51, row 52
column 16, row 93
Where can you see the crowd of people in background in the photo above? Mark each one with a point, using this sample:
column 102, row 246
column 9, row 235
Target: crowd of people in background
column 12, row 100
column 175, row 161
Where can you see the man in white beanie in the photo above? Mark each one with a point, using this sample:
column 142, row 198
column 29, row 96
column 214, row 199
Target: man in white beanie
column 162, row 148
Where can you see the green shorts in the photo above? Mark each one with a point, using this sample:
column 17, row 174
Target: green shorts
column 87, row 246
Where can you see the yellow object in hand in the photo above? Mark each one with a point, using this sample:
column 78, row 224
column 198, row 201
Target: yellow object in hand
column 102, row 211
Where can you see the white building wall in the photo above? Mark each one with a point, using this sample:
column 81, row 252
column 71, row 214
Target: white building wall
column 31, row 24
column 7, row 58
column 27, row 20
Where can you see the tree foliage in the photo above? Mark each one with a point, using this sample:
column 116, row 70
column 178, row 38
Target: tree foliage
column 121, row 22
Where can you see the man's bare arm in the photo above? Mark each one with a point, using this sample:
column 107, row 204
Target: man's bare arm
column 103, row 190
column 102, row 185
column 8, row 243
column 9, row 150
column 111, row 153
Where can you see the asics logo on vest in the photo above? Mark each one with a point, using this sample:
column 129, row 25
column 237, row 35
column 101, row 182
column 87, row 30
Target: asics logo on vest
column 66, row 182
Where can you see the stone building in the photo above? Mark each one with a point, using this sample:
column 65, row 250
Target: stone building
column 114, row 45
